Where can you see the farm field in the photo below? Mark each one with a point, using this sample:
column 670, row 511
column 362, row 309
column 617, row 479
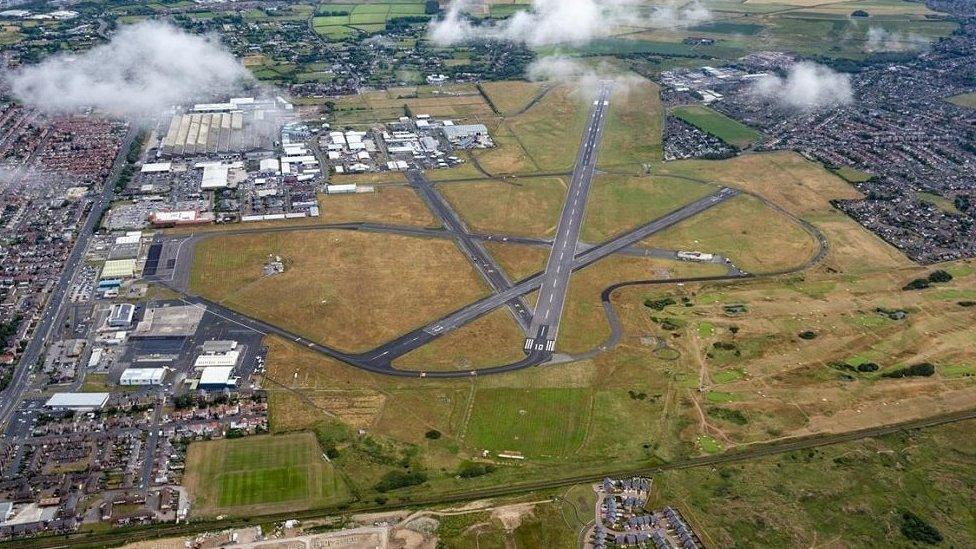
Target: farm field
column 337, row 287
column 337, row 21
column 715, row 123
column 534, row 422
column 261, row 474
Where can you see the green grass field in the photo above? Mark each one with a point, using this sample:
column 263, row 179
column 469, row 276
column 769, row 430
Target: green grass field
column 715, row 123
column 536, row 422
column 262, row 473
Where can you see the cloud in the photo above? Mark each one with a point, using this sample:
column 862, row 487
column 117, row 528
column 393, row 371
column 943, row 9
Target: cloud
column 572, row 22
column 674, row 16
column 144, row 69
column 881, row 39
column 806, row 86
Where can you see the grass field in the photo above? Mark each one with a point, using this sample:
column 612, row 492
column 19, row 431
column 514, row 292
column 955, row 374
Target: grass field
column 338, row 286
column 511, row 98
column 262, row 474
column 852, row 494
column 717, row 124
column 492, row 340
column 517, row 260
column 739, row 229
column 965, row 100
column 525, row 206
column 337, row 21
column 618, row 202
column 632, row 135
column 397, row 205
column 805, row 190
column 536, row 422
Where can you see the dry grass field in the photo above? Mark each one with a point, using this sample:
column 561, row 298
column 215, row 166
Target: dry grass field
column 527, row 206
column 517, row 260
column 347, row 289
column 510, row 98
column 396, row 205
column 491, row 340
column 803, row 189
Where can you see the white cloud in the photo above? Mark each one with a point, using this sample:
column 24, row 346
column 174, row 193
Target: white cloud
column 145, row 68
column 881, row 39
column 806, row 86
column 562, row 21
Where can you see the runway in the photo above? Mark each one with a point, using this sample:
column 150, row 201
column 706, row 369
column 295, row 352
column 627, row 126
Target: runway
column 552, row 294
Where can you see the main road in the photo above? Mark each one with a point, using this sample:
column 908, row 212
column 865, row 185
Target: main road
column 552, row 293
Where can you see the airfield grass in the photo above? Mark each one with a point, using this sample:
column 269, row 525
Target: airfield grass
column 518, row 260
column 584, row 325
column 260, row 474
column 804, row 189
column 491, row 340
column 617, row 203
column 348, row 289
column 388, row 204
column 742, row 229
column 632, row 135
column 511, row 97
column 717, row 124
column 527, row 206
column 551, row 130
column 964, row 100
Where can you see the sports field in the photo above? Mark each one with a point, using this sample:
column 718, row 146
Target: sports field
column 261, row 474
column 717, row 124
column 536, row 422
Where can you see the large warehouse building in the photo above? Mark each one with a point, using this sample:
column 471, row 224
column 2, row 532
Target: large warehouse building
column 142, row 376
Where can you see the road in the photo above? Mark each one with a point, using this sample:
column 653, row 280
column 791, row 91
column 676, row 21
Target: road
column 472, row 249
column 54, row 307
column 555, row 279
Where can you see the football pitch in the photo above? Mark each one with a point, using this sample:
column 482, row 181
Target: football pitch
column 266, row 473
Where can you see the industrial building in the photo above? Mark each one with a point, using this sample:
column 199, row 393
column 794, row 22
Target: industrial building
column 243, row 124
column 223, row 359
column 142, row 376
column 118, row 268
column 466, row 136
column 218, row 346
column 78, row 402
column 215, row 378
column 121, row 315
